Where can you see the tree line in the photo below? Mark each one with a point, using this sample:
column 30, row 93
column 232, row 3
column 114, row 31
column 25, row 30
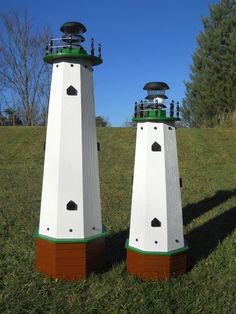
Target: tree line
column 24, row 76
column 211, row 91
column 210, row 97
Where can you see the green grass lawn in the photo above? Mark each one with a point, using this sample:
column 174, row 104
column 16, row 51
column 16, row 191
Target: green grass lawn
column 207, row 160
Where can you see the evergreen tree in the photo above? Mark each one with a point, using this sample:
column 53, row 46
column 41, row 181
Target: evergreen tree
column 211, row 91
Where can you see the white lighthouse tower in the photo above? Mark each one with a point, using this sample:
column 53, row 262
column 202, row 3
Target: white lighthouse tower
column 156, row 248
column 70, row 242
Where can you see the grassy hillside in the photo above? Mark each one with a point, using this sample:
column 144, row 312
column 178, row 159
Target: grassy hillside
column 208, row 168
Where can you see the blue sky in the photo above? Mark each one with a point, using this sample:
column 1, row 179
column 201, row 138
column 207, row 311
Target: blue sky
column 142, row 41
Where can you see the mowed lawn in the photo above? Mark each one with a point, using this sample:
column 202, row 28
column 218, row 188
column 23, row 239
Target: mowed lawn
column 207, row 160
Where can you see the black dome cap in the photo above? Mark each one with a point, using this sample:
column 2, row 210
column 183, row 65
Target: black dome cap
column 73, row 28
column 156, row 86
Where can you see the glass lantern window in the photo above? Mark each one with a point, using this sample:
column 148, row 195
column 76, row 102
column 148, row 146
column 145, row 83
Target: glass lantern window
column 156, row 92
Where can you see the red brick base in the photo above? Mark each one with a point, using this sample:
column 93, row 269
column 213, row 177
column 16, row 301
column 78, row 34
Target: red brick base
column 69, row 261
column 155, row 267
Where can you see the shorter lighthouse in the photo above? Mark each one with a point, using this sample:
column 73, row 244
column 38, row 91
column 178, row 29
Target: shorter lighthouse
column 156, row 247
column 70, row 241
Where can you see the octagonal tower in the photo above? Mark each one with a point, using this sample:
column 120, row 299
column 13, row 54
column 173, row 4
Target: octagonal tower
column 156, row 248
column 70, row 242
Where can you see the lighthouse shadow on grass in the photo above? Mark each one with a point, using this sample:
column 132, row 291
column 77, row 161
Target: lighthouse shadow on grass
column 115, row 248
column 192, row 211
column 203, row 240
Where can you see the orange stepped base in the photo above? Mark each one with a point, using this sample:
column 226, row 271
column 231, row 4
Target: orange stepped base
column 156, row 267
column 69, row 261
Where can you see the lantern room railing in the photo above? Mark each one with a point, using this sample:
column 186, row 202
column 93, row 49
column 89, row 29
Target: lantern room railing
column 145, row 109
column 70, row 43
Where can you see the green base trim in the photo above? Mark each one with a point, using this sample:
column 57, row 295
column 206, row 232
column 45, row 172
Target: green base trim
column 65, row 53
column 170, row 253
column 85, row 240
column 155, row 119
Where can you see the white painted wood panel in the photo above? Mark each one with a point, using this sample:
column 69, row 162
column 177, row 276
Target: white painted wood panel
column 156, row 191
column 71, row 161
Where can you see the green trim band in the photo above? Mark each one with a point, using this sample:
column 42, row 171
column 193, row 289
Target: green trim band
column 170, row 253
column 157, row 119
column 73, row 54
column 85, row 240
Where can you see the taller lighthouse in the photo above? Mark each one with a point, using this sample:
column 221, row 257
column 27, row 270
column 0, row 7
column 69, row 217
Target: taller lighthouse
column 70, row 242
column 156, row 248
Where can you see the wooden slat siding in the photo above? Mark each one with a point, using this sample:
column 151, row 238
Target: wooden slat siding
column 155, row 267
column 69, row 261
column 154, row 276
column 73, row 262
